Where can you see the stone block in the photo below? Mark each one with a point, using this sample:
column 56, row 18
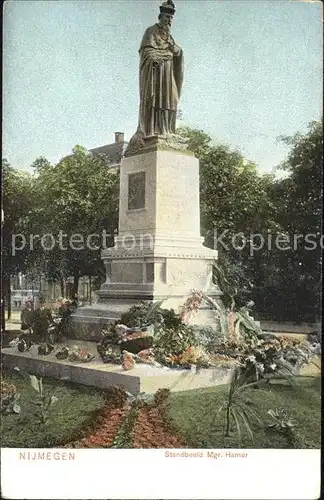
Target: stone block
column 142, row 378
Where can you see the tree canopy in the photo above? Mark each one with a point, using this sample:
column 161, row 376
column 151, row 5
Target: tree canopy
column 236, row 198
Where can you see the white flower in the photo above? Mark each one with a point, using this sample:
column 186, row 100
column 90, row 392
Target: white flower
column 260, row 367
column 251, row 358
column 273, row 366
column 14, row 342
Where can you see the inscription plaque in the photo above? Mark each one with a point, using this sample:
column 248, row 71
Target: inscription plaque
column 136, row 191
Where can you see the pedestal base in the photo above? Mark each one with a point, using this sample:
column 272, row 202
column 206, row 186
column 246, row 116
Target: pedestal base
column 158, row 253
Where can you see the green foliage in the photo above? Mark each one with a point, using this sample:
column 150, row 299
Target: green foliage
column 16, row 203
column 285, row 285
column 80, row 355
column 136, row 345
column 108, row 354
column 145, row 313
column 283, row 423
column 206, row 337
column 281, row 419
column 268, row 356
column 9, row 398
column 41, row 320
column 78, row 405
column 290, row 284
column 79, row 195
column 172, row 342
column 236, row 409
column 115, row 396
column 198, row 141
column 110, row 335
column 62, row 353
column 233, row 195
column 193, row 413
column 43, row 401
column 123, row 438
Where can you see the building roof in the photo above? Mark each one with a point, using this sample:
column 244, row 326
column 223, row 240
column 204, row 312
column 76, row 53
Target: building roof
column 114, row 152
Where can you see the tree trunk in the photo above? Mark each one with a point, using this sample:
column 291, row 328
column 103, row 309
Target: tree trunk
column 3, row 315
column 62, row 284
column 75, row 288
column 9, row 297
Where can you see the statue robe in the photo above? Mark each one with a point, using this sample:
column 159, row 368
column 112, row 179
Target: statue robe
column 161, row 77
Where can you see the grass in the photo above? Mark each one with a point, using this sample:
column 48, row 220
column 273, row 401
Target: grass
column 193, row 413
column 76, row 406
column 190, row 412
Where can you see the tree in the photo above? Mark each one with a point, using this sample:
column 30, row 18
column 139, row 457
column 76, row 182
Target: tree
column 76, row 198
column 16, row 203
column 234, row 201
column 293, row 278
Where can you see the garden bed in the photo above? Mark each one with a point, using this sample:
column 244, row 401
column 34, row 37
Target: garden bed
column 89, row 418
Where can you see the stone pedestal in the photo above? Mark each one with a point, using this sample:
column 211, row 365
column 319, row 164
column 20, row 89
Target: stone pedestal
column 158, row 253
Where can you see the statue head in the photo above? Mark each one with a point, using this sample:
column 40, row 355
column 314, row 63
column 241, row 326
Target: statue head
column 167, row 11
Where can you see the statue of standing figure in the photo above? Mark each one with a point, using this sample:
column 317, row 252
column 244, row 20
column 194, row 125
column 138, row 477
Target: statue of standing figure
column 160, row 79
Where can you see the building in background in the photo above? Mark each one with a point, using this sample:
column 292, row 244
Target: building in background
column 113, row 152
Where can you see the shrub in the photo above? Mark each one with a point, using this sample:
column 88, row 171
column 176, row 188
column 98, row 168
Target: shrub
column 145, row 313
column 41, row 320
column 174, row 341
column 207, row 337
column 9, row 398
column 110, row 335
column 236, row 408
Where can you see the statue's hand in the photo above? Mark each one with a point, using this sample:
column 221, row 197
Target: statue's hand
column 175, row 49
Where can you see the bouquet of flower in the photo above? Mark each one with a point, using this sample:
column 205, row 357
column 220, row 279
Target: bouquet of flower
column 24, row 343
column 128, row 360
column 81, row 355
column 62, row 353
column 109, row 355
column 146, row 356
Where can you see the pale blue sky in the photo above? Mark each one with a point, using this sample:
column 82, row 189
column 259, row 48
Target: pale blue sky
column 253, row 71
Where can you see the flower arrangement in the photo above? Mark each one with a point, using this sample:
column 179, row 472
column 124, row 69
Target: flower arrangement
column 24, row 343
column 62, row 353
column 190, row 356
column 80, row 354
column 146, row 356
column 128, row 360
column 265, row 356
column 74, row 353
column 191, row 306
column 108, row 354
